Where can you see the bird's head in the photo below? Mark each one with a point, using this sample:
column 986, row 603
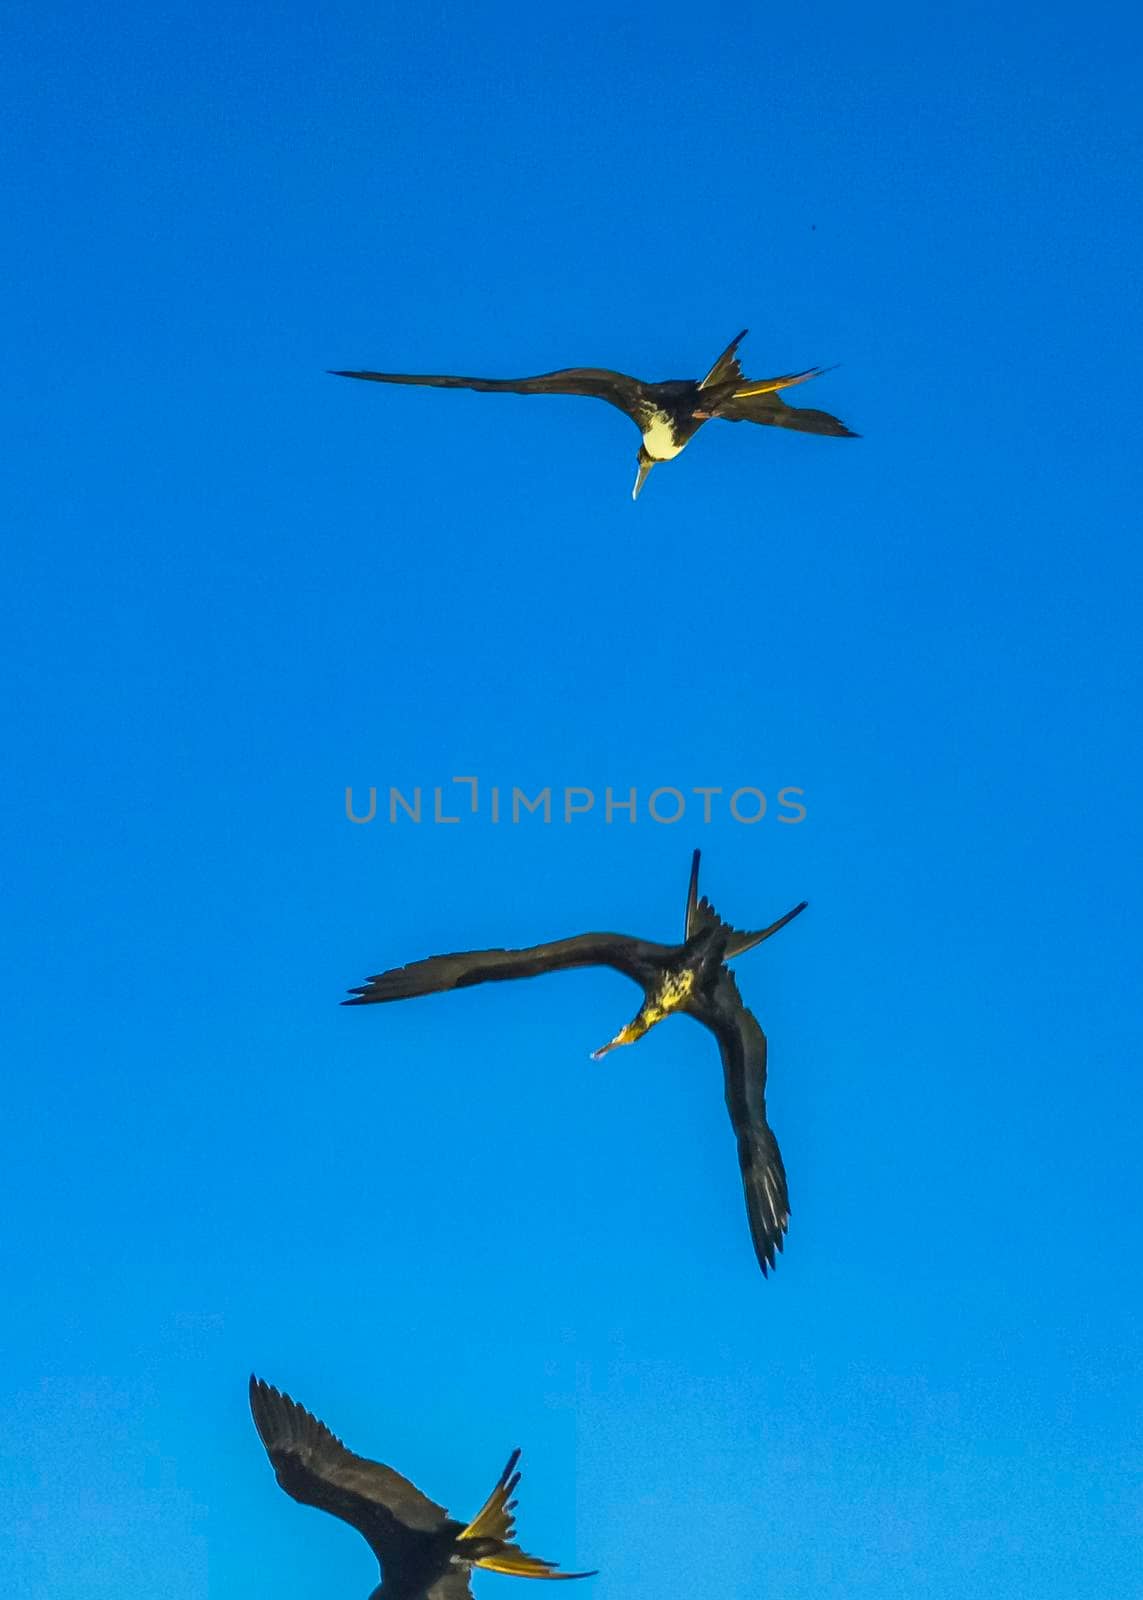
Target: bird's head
column 643, row 465
column 633, row 1030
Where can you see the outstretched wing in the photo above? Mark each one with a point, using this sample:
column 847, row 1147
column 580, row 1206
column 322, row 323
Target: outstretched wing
column 759, row 401
column 701, row 914
column 596, row 383
column 315, row 1468
column 743, row 1047
column 496, row 1521
column 457, row 971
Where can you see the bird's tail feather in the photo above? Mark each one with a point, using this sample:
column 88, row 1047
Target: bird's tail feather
column 513, row 1561
column 490, row 1534
column 494, row 1520
column 740, row 942
column 726, row 368
column 701, row 914
column 770, row 385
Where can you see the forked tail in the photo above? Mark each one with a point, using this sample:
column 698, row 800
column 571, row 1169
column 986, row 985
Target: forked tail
column 701, row 914
column 490, row 1536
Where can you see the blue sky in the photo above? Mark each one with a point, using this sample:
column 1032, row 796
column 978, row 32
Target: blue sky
column 236, row 586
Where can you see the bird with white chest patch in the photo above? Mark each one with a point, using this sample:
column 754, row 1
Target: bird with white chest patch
column 668, row 414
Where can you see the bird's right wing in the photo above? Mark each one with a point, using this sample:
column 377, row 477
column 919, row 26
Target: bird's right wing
column 596, row 383
column 743, row 1047
column 483, row 966
column 315, row 1468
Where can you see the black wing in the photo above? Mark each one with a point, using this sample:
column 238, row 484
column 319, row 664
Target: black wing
column 596, row 383
column 771, row 408
column 632, row 957
column 701, row 914
column 743, row 1047
column 315, row 1467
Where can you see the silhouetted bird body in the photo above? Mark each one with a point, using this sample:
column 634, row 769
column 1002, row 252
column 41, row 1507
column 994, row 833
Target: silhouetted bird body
column 667, row 414
column 424, row 1553
column 691, row 978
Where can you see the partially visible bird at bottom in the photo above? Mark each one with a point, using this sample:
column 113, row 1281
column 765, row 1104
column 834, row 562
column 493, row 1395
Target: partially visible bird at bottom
column 424, row 1553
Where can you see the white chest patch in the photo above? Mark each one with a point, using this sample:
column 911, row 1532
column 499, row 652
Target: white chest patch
column 659, row 441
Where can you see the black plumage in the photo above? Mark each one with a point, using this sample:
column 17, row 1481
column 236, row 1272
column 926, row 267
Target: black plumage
column 691, row 978
column 424, row 1553
column 668, row 414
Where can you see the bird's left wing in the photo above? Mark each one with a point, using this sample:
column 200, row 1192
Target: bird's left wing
column 743, row 1047
column 483, row 966
column 313, row 1466
column 595, row 383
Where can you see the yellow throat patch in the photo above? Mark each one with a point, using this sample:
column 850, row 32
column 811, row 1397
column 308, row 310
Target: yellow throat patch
column 675, row 990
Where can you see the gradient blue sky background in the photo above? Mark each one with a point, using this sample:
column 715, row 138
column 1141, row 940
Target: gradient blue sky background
column 236, row 585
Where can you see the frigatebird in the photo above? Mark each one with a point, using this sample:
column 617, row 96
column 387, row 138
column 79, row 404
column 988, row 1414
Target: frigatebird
column 424, row 1553
column 667, row 414
column 692, row 978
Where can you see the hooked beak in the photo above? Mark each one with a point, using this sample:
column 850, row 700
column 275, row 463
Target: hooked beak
column 645, row 462
column 626, row 1035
